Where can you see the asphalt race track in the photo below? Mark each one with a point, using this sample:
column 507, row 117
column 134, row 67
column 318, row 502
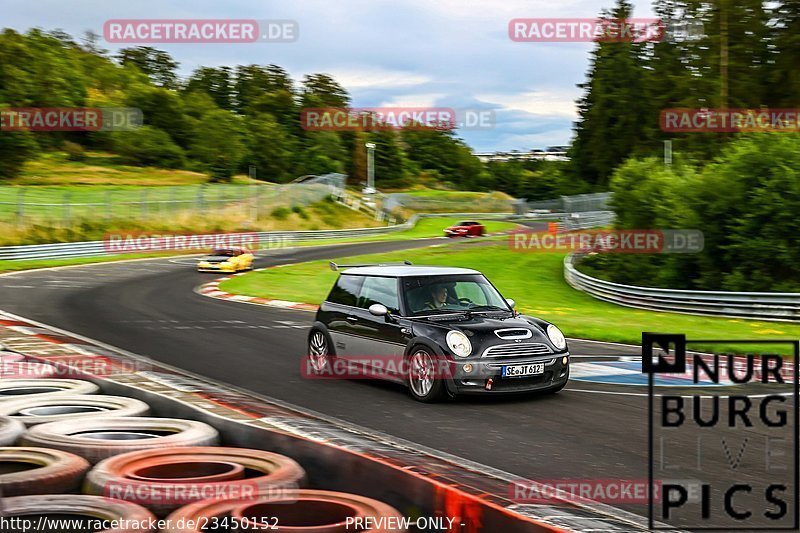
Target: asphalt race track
column 592, row 429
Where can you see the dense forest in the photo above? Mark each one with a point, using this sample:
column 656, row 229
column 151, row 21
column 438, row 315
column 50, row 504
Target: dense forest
column 223, row 120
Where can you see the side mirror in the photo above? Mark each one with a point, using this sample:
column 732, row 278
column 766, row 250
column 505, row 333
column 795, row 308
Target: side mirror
column 378, row 310
column 511, row 303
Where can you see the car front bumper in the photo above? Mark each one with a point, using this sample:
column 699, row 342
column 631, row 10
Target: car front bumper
column 486, row 375
column 216, row 269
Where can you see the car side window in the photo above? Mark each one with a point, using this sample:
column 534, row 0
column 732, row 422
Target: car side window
column 346, row 290
column 376, row 290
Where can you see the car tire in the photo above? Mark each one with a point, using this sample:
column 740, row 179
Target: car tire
column 18, row 389
column 320, row 352
column 423, row 386
column 127, row 517
column 310, row 510
column 156, row 472
column 98, row 438
column 71, row 407
column 40, row 471
column 10, row 430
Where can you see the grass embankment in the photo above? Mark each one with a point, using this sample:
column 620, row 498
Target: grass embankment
column 535, row 281
column 424, row 229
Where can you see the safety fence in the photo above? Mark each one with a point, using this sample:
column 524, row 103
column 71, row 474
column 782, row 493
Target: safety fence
column 758, row 305
column 64, row 206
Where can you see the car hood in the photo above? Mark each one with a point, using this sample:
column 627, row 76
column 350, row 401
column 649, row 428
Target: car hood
column 481, row 329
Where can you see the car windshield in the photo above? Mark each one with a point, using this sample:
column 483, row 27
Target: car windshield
column 448, row 294
column 225, row 252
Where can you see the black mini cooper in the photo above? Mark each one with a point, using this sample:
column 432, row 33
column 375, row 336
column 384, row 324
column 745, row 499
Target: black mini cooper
column 441, row 331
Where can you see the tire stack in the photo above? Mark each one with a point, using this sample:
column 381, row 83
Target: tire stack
column 60, row 438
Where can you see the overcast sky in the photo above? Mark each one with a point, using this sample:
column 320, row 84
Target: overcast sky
column 444, row 53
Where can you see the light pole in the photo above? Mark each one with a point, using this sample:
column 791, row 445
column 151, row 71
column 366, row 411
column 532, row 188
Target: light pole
column 370, row 188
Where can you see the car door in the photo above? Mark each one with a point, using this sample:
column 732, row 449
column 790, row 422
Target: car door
column 340, row 314
column 383, row 339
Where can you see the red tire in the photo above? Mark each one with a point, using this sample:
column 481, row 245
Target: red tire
column 40, row 471
column 166, row 479
column 311, row 510
column 128, row 517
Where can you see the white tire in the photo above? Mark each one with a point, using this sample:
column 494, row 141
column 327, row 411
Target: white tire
column 10, row 430
column 98, row 438
column 71, row 407
column 18, row 389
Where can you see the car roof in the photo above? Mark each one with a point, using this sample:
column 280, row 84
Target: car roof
column 401, row 271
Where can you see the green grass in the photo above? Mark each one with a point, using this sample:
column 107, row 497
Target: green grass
column 424, row 229
column 537, row 284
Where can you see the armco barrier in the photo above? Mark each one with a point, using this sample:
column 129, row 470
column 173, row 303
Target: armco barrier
column 759, row 305
column 415, row 480
column 97, row 248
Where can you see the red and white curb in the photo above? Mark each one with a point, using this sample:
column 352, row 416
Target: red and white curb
column 212, row 290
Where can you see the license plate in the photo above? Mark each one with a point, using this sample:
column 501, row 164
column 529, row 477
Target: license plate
column 516, row 371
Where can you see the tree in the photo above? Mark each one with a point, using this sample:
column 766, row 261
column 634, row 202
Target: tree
column 148, row 146
column 215, row 82
column 321, row 90
column 15, row 149
column 217, row 144
column 609, row 126
column 156, row 64
column 323, row 153
column 269, row 148
column 441, row 151
column 784, row 78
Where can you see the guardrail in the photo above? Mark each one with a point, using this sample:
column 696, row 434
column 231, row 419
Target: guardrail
column 268, row 238
column 758, row 305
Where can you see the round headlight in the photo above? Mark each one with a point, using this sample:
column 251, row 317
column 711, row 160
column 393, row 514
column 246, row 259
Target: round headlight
column 556, row 337
column 459, row 343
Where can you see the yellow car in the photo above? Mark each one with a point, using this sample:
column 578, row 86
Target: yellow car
column 227, row 260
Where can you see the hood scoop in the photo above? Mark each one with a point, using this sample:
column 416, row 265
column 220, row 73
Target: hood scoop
column 513, row 333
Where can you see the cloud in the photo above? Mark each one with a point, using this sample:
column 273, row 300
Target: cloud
column 542, row 102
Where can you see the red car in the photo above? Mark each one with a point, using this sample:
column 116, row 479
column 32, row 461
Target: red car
column 465, row 229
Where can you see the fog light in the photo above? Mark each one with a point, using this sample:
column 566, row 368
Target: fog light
column 564, row 360
column 468, row 368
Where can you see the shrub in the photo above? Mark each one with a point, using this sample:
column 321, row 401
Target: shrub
column 74, row 151
column 149, row 146
column 281, row 213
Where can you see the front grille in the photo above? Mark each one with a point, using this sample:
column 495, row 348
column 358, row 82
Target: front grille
column 517, row 350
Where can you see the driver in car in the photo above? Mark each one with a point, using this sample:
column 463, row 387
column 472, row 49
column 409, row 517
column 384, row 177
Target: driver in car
column 438, row 298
